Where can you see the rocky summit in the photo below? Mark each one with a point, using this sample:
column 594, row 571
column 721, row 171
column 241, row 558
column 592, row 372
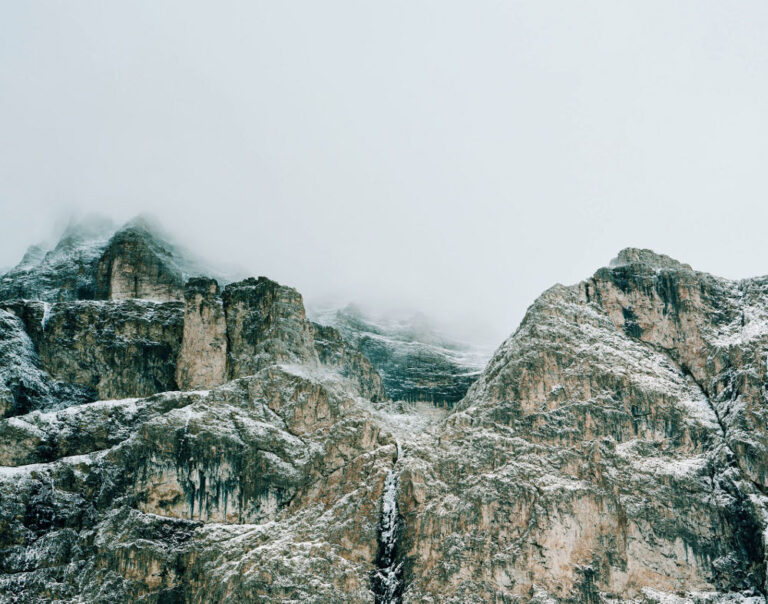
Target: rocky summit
column 168, row 436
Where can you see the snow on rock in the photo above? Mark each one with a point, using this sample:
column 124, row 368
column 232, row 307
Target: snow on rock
column 613, row 449
column 416, row 361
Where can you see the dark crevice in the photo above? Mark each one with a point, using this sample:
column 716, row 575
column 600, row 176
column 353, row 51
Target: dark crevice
column 387, row 577
column 748, row 529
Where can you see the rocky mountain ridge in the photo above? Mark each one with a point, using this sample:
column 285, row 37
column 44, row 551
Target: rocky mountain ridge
column 416, row 362
column 93, row 261
column 167, row 439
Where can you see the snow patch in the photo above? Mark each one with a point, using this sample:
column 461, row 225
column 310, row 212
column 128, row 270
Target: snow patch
column 389, row 570
column 46, row 315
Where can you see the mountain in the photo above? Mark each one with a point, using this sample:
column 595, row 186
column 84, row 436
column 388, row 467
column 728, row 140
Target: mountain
column 174, row 439
column 94, row 261
column 415, row 360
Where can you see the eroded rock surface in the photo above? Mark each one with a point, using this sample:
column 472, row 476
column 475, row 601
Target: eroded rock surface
column 416, row 362
column 265, row 323
column 613, row 450
column 333, row 351
column 24, row 385
column 266, row 474
column 95, row 261
column 202, row 361
column 582, row 465
column 135, row 265
column 116, row 348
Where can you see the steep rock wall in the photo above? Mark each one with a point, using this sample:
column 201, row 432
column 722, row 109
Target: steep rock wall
column 202, row 361
column 131, row 268
column 116, row 348
column 266, row 323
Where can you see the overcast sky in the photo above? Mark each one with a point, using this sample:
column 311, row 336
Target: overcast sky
column 457, row 157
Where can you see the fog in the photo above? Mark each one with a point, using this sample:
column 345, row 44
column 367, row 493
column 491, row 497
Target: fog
column 452, row 157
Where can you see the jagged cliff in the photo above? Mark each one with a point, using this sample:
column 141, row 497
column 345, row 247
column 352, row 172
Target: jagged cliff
column 92, row 261
column 168, row 439
column 415, row 360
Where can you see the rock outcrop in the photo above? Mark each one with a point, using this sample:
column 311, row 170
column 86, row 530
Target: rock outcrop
column 94, row 261
column 116, row 348
column 134, row 265
column 713, row 329
column 334, row 351
column 612, row 450
column 588, row 463
column 266, row 324
column 415, row 361
column 63, row 273
column 156, row 497
column 24, row 385
column 202, row 361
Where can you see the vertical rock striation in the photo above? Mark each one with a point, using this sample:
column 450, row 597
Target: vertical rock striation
column 202, row 361
column 592, row 461
column 134, row 266
column 24, row 384
column 613, row 450
column 266, row 323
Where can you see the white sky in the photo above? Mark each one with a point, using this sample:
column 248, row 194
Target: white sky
column 458, row 157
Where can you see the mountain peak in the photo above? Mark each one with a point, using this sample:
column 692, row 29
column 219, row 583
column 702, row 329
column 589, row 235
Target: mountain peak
column 92, row 256
column 633, row 255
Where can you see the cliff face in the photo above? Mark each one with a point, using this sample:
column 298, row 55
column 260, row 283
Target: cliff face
column 416, row 362
column 97, row 262
column 118, row 349
column 266, row 323
column 202, row 360
column 585, row 465
column 24, row 385
column 132, row 267
column 613, row 449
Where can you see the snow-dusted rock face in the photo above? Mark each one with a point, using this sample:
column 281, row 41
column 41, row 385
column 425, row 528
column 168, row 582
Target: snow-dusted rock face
column 416, row 362
column 202, row 361
column 265, row 488
column 715, row 330
column 94, row 261
column 65, row 272
column 116, row 348
column 122, row 333
column 24, row 385
column 333, row 351
column 254, row 324
column 135, row 265
column 613, row 450
column 265, row 323
column 594, row 459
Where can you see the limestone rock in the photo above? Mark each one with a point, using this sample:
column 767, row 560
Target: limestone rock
column 116, row 348
column 93, row 260
column 334, row 351
column 594, row 459
column 163, row 495
column 62, row 273
column 582, row 465
column 133, row 265
column 202, row 361
column 24, row 384
column 415, row 361
column 266, row 323
column 612, row 450
column 715, row 330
